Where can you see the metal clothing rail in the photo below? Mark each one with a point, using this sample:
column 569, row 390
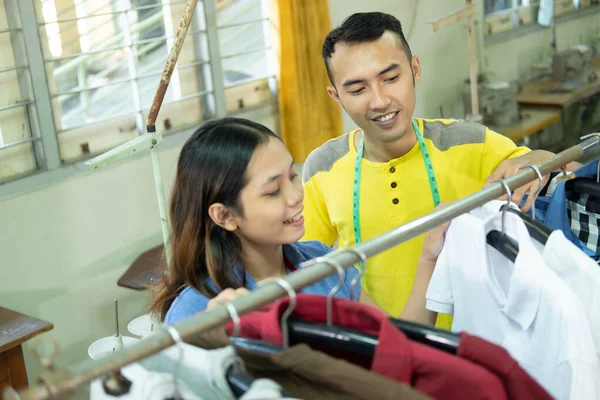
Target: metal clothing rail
column 58, row 383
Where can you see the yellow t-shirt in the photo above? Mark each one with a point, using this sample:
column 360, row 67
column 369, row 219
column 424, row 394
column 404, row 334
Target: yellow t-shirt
column 393, row 193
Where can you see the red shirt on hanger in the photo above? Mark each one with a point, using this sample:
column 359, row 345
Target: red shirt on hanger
column 433, row 372
column 517, row 383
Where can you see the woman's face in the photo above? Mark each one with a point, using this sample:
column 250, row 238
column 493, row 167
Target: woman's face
column 272, row 199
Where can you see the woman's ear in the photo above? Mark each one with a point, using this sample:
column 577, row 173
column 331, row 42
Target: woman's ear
column 222, row 216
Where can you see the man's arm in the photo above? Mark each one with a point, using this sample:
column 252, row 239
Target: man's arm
column 511, row 166
column 501, row 159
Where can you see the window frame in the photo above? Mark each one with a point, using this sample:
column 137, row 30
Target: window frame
column 517, row 30
column 51, row 169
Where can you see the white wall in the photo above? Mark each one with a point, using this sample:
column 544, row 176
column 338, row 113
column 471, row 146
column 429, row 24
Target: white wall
column 64, row 247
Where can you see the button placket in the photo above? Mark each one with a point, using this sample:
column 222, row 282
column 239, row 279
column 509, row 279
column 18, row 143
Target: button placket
column 394, row 185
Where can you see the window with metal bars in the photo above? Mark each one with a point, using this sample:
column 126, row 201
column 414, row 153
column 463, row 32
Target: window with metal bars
column 503, row 15
column 101, row 61
column 19, row 138
column 506, row 15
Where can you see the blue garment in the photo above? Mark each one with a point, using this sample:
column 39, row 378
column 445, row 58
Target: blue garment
column 190, row 301
column 552, row 211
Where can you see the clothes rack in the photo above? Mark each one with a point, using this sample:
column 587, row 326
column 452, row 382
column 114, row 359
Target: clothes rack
column 57, row 382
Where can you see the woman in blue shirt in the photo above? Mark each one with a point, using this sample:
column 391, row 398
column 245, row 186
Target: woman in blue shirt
column 236, row 218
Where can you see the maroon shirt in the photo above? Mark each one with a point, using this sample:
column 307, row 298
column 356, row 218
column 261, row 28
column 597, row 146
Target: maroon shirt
column 430, row 371
column 517, row 383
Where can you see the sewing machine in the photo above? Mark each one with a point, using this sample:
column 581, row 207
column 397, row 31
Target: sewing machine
column 498, row 103
column 573, row 68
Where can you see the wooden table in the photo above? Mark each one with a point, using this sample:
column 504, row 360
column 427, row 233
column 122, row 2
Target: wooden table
column 146, row 268
column 15, row 329
column 533, row 120
column 532, row 93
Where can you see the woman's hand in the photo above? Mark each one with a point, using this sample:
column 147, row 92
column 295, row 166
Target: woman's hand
column 226, row 296
column 415, row 309
column 434, row 239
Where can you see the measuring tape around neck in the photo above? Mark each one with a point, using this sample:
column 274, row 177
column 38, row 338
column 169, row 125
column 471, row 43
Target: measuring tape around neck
column 435, row 193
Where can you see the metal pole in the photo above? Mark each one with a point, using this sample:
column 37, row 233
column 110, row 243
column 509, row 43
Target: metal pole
column 186, row 19
column 63, row 382
column 162, row 205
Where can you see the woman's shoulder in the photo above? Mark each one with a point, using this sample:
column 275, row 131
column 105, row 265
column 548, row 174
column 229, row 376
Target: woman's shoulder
column 187, row 303
column 310, row 249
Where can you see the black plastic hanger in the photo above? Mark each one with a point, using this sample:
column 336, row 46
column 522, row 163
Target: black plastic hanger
column 438, row 338
column 357, row 342
column 238, row 379
column 540, row 232
column 256, row 345
column 584, row 185
column 324, row 336
column 507, row 246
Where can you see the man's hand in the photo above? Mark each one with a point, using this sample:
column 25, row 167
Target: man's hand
column 510, row 167
column 434, row 239
column 226, row 296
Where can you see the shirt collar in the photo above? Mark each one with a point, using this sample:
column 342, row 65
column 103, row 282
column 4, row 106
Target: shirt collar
column 290, row 252
column 521, row 301
column 293, row 255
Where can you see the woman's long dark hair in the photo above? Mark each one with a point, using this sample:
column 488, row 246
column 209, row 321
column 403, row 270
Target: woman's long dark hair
column 211, row 169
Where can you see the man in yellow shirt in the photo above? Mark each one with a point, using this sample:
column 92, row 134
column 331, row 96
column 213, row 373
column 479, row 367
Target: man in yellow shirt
column 395, row 168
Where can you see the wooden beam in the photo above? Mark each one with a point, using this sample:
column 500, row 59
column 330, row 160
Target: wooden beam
column 473, row 66
column 453, row 18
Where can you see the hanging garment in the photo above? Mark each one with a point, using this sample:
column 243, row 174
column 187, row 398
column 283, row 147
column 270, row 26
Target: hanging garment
column 430, row 371
column 309, row 374
column 523, row 307
column 570, row 215
column 517, row 383
column 571, row 265
column 580, row 273
column 201, row 375
column 264, row 389
column 146, row 385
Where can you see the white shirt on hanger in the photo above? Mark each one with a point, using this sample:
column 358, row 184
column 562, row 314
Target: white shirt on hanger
column 523, row 307
column 201, row 375
column 571, row 265
column 265, row 389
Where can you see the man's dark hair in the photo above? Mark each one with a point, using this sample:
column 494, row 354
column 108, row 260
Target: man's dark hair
column 361, row 28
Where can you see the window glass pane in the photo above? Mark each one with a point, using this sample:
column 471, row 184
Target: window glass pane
column 17, row 156
column 111, row 56
column 89, row 105
column 16, row 148
column 10, row 92
column 492, row 6
column 241, row 38
column 13, row 125
column 245, row 67
column 237, row 11
column 244, row 46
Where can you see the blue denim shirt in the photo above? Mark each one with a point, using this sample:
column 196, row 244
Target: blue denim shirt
column 552, row 211
column 190, row 301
